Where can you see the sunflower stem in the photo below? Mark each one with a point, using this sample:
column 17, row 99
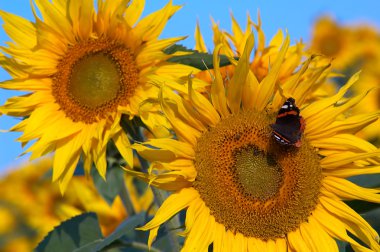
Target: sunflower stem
column 126, row 199
column 172, row 224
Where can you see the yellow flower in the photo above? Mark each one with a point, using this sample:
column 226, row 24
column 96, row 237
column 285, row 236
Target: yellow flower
column 347, row 45
column 352, row 48
column 264, row 56
column 369, row 79
column 29, row 201
column 83, row 67
column 243, row 190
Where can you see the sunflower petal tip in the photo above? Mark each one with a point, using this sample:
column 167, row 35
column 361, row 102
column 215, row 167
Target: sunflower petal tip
column 141, row 228
column 62, row 187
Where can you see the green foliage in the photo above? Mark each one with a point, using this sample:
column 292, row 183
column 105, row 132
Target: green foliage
column 202, row 61
column 110, row 187
column 81, row 234
column 126, row 228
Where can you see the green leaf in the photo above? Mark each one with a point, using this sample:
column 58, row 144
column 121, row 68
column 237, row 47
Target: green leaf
column 362, row 206
column 202, row 61
column 373, row 218
column 366, row 180
column 342, row 246
column 80, row 234
column 110, row 188
column 126, row 228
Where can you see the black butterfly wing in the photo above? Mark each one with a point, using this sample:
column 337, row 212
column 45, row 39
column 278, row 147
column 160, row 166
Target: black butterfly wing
column 289, row 127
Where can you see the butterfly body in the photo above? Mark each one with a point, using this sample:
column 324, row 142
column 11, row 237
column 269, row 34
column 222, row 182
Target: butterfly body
column 289, row 125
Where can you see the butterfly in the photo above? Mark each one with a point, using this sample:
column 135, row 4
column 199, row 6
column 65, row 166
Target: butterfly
column 289, row 125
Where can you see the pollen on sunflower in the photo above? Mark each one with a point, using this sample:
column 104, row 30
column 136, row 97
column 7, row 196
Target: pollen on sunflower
column 245, row 191
column 83, row 67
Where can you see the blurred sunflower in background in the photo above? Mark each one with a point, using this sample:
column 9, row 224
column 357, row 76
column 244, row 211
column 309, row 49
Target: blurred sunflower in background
column 243, row 190
column 83, row 67
column 352, row 48
column 264, row 54
column 31, row 206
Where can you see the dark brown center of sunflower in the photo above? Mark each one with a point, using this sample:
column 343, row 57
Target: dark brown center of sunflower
column 93, row 79
column 251, row 184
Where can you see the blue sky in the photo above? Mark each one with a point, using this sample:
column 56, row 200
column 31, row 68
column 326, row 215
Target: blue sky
column 295, row 16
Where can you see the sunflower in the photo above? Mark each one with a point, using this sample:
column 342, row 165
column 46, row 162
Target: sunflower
column 352, row 48
column 245, row 191
column 82, row 68
column 31, row 206
column 264, row 55
column 347, row 45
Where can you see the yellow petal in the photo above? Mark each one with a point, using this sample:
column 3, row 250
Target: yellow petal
column 180, row 149
column 261, row 35
column 234, row 92
column 250, row 87
column 277, row 40
column 350, row 125
column 151, row 26
column 344, row 142
column 314, row 109
column 27, row 84
column 281, row 245
column 55, row 126
column 200, row 45
column 207, row 112
column 268, row 84
column 309, row 238
column 47, row 39
column 296, row 242
column 182, row 129
column 19, row 29
column 199, row 237
column 218, row 243
column 154, row 154
column 218, row 93
column 109, row 17
column 192, row 213
column 334, row 227
column 349, row 191
column 346, row 172
column 168, row 181
column 101, row 162
column 344, row 158
column 123, row 145
column 83, row 23
column 171, row 206
column 325, row 241
column 54, row 18
column 345, row 212
column 152, row 51
column 67, row 151
column 66, row 176
column 134, row 11
column 271, row 245
column 237, row 32
column 229, row 238
column 331, row 113
column 152, row 236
